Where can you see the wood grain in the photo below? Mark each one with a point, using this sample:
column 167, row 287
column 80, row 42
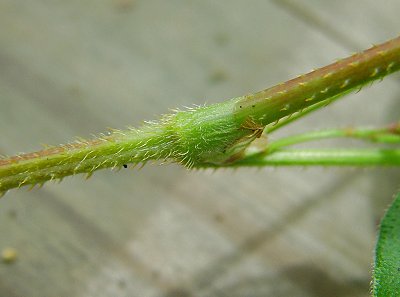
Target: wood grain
column 73, row 68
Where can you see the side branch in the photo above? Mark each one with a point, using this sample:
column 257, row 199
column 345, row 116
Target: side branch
column 332, row 157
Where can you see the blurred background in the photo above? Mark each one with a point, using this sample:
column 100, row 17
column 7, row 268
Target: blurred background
column 73, row 68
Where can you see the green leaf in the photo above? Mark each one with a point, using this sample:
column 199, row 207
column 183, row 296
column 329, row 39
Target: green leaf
column 386, row 279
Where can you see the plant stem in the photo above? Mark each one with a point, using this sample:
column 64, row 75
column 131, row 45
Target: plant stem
column 291, row 118
column 390, row 134
column 185, row 137
column 333, row 157
column 336, row 79
column 213, row 135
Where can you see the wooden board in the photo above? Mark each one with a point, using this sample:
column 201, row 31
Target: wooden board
column 72, row 68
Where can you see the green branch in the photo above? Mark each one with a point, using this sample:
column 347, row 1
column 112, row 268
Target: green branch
column 332, row 157
column 389, row 134
column 276, row 152
column 215, row 135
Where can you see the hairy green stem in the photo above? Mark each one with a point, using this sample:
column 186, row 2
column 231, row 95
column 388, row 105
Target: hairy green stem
column 213, row 135
column 179, row 137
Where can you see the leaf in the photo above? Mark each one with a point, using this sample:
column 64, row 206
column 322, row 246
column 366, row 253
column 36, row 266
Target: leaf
column 386, row 278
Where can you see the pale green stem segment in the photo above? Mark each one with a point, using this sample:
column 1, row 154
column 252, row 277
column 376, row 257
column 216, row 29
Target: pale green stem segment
column 211, row 135
column 327, row 157
column 386, row 278
column 390, row 134
column 275, row 153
